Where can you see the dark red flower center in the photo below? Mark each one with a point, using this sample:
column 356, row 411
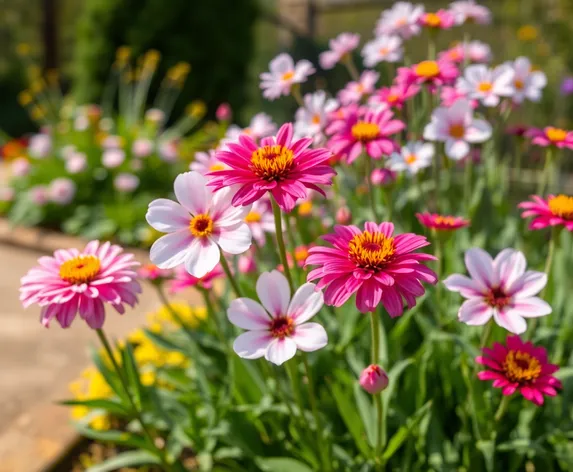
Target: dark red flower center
column 282, row 327
column 496, row 298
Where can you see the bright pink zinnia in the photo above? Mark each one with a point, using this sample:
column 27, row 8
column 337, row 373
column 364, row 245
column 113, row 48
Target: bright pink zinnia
column 394, row 96
column 358, row 129
column 555, row 211
column 442, row 19
column 74, row 281
column 441, row 222
column 184, row 279
column 520, row 366
column 374, row 264
column 550, row 136
column 432, row 73
column 279, row 165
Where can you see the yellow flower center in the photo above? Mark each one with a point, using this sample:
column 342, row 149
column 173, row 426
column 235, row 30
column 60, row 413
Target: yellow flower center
column 427, row 69
column 371, row 250
column 485, row 86
column 521, row 367
column 215, row 167
column 316, row 119
column 384, row 51
column 253, row 217
column 401, row 22
column 518, row 84
column 562, row 206
column 288, row 75
column 272, row 163
column 411, row 159
column 305, row 208
column 457, row 131
column 392, row 98
column 282, row 327
column 445, row 220
column 363, row 131
column 432, row 20
column 201, row 226
column 555, row 134
column 80, row 269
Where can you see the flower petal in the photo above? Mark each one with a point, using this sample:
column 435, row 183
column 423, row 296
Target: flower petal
column 167, row 216
column 305, row 303
column 252, row 344
column 234, row 241
column 310, row 337
column 171, row 250
column 274, row 292
column 248, row 314
column 510, row 321
column 475, row 312
column 280, row 350
column 480, row 267
column 202, row 257
column 192, row 192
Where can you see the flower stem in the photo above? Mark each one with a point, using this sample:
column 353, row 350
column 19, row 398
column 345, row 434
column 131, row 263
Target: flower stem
column 486, row 334
column 546, row 173
column 468, row 173
column 375, row 332
column 135, row 410
column 349, row 63
column 212, row 315
column 290, row 234
column 297, row 96
column 281, row 242
column 229, row 275
column 371, row 189
column 502, row 408
column 374, row 327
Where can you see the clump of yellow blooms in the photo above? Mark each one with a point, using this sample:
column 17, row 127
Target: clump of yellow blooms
column 90, row 386
column 527, row 33
column 163, row 317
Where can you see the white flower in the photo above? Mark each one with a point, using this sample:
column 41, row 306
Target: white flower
column 261, row 126
column 527, row 84
column 478, row 51
column 382, row 49
column 207, row 162
column 40, row 145
column 312, row 118
column 197, row 226
column 467, row 11
column 283, row 75
column 278, row 327
column 412, row 158
column 456, row 126
column 486, row 85
column 402, row 20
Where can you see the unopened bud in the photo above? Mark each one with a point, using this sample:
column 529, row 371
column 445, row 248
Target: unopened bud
column 374, row 379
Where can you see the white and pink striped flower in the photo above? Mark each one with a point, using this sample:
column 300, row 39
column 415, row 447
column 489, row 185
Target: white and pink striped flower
column 340, row 47
column 283, row 74
column 382, row 49
column 277, row 326
column 402, row 19
column 500, row 288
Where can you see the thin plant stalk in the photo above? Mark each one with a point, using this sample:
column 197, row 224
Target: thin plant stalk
column 281, row 242
column 371, row 189
column 375, row 332
column 229, row 274
column 502, row 409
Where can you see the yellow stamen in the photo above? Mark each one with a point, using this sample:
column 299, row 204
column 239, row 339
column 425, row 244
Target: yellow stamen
column 305, row 208
column 215, row 167
column 80, row 269
column 363, row 131
column 485, row 86
column 555, row 134
column 272, row 163
column 411, row 159
column 432, row 20
column 445, row 220
column 521, row 367
column 518, row 84
column 371, row 250
column 288, row 75
column 316, row 119
column 253, row 217
column 562, row 206
column 427, row 69
column 301, row 253
column 201, row 226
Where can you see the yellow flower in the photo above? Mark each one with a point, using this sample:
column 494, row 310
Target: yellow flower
column 305, row 208
column 191, row 316
column 25, row 98
column 90, row 386
column 527, row 33
column 23, row 49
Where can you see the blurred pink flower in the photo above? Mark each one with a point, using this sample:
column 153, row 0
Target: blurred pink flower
column 224, row 112
column 6, row 194
column 402, row 19
column 468, row 11
column 20, row 167
column 382, row 49
column 431, row 73
column 62, row 190
column 441, row 222
column 76, row 162
column 40, row 145
column 205, row 162
column 247, row 264
column 383, row 177
column 354, row 91
column 343, row 215
column 555, row 211
column 440, row 20
column 183, row 279
column 395, row 95
column 550, row 136
column 340, row 47
column 39, row 194
column 168, row 150
column 125, row 182
column 142, row 147
column 153, row 273
column 112, row 158
column 283, row 75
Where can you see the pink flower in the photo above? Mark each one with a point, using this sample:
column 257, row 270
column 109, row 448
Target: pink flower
column 112, row 158
column 354, row 91
column 550, row 136
column 224, row 112
column 374, row 264
column 126, row 182
column 153, row 273
column 168, row 150
column 74, row 281
column 488, row 85
column 441, row 223
column 198, row 226
column 442, row 19
column 183, row 279
column 340, row 47
column 40, row 145
column 474, row 51
column 20, row 167
column 205, row 162
column 62, row 190
column 467, row 11
column 395, row 95
column 261, row 125
column 142, row 147
column 360, row 130
column 247, row 264
column 283, row 75
column 373, row 379
column 278, row 327
column 402, row 19
column 285, row 168
column 76, row 163
column 432, row 73
column 6, row 194
column 382, row 49
column 450, row 95
column 500, row 288
column 39, row 194
column 383, row 177
column 343, row 215
column 555, row 211
column 520, row 366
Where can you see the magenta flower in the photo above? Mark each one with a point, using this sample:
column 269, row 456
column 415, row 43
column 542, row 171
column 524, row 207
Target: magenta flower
column 520, row 366
column 183, row 279
column 555, row 211
column 394, row 96
column 500, row 288
column 374, row 264
column 340, row 48
column 550, row 136
column 432, row 73
column 285, row 168
column 74, row 281
column 374, row 379
column 358, row 129
column 441, row 222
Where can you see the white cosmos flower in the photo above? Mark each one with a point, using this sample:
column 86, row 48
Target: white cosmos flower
column 486, row 85
column 198, row 226
column 283, row 74
column 278, row 327
column 207, row 162
column 527, row 83
column 402, row 20
column 456, row 127
column 412, row 158
column 311, row 119
column 261, row 126
column 468, row 11
column 382, row 49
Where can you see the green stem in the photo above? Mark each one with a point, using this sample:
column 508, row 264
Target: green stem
column 546, row 174
column 380, row 440
column 290, row 234
column 375, row 332
column 349, row 63
column 486, row 334
column 371, row 189
column 468, row 172
column 229, row 275
column 212, row 315
column 297, row 95
column 281, row 242
column 135, row 410
column 502, row 408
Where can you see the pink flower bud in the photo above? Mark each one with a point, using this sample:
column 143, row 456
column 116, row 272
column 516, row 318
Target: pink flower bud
column 343, row 215
column 224, row 112
column 20, row 167
column 247, row 264
column 382, row 176
column 373, row 379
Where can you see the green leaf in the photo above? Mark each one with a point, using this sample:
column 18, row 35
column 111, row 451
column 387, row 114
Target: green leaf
column 108, row 374
column 281, row 464
column 366, row 409
column 487, row 448
column 111, row 406
column 125, row 459
column 393, row 377
column 130, row 368
column 121, row 438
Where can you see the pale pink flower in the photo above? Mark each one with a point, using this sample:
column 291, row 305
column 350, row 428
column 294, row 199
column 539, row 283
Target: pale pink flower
column 62, row 190
column 468, row 11
column 261, row 126
column 486, row 85
column 20, row 167
column 168, row 150
column 126, row 182
column 6, row 194
column 412, row 158
column 499, row 288
column 260, row 221
column 383, row 177
column 112, row 158
column 142, row 147
column 183, row 279
column 199, row 226
column 395, row 95
column 313, row 117
column 153, row 273
column 40, row 145
column 155, row 116
column 474, row 51
column 247, row 264
column 354, row 91
column 206, row 162
column 112, row 142
column 402, row 20
column 374, row 379
column 278, row 327
column 450, row 95
column 527, row 83
column 382, row 49
column 76, row 162
column 283, row 74
column 72, row 281
column 39, row 194
column 440, row 20
column 340, row 47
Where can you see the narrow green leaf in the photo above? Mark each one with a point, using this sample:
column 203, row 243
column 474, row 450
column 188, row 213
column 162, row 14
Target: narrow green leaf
column 281, row 464
column 125, row 459
column 366, row 409
column 110, row 406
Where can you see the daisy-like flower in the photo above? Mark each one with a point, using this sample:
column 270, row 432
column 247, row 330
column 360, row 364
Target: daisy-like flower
column 198, row 226
column 468, row 11
column 312, row 118
column 450, row 95
column 474, row 51
column 555, row 211
column 432, row 73
column 354, row 91
column 183, row 279
column 412, row 158
column 441, row 20
column 527, row 83
column 72, row 281
column 261, row 125
column 394, row 96
column 487, row 85
column 283, row 74
column 550, row 136
column 376, row 265
column 340, row 48
column 285, row 168
column 402, row 20
column 206, row 162
column 382, row 49
column 520, row 367
column 500, row 288
column 260, row 220
column 153, row 273
column 442, row 222
column 362, row 130
column 278, row 327
column 457, row 127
